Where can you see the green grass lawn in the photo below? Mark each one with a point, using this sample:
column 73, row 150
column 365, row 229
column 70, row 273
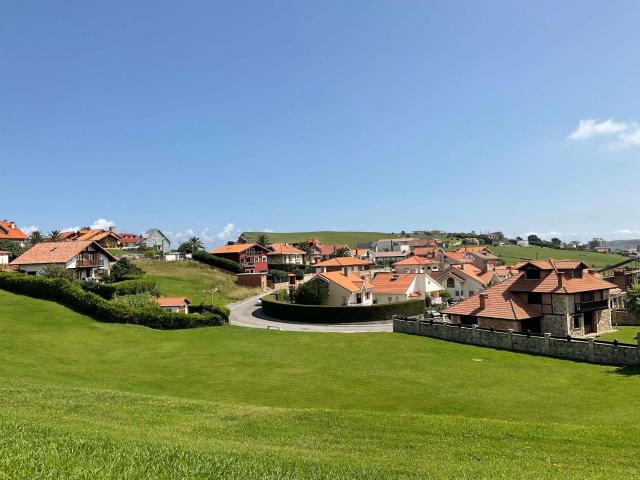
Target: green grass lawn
column 328, row 237
column 190, row 278
column 622, row 334
column 511, row 255
column 83, row 399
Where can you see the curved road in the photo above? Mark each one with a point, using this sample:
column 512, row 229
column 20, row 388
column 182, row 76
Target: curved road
column 247, row 314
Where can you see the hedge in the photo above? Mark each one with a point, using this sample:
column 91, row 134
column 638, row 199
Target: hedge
column 73, row 296
column 125, row 287
column 215, row 261
column 324, row 314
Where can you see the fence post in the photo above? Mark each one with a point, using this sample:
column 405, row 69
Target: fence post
column 547, row 343
column 592, row 354
column 474, row 333
column 510, row 338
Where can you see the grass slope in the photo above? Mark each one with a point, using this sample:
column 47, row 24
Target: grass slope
column 328, row 237
column 84, row 399
column 190, row 278
column 622, row 334
column 511, row 255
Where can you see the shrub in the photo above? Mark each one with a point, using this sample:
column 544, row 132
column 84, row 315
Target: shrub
column 137, row 301
column 84, row 301
column 314, row 292
column 278, row 276
column 219, row 262
column 325, row 314
column 59, row 271
column 139, row 285
column 125, row 269
column 105, row 290
column 208, row 308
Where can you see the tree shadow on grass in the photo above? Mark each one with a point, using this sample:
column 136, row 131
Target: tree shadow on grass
column 628, row 371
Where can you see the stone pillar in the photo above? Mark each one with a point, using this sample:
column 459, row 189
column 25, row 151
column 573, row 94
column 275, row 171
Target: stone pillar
column 592, row 354
column 510, row 341
column 547, row 343
column 474, row 331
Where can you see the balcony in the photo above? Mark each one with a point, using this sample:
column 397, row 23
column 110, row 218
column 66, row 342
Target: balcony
column 594, row 305
column 89, row 262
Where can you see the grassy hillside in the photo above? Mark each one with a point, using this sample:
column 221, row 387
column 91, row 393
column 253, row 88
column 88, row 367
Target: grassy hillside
column 85, row 399
column 350, row 238
column 512, row 254
column 190, row 278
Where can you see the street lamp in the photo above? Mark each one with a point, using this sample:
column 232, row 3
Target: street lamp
column 211, row 291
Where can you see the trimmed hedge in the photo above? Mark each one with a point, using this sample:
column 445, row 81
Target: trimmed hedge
column 208, row 308
column 73, row 296
column 126, row 287
column 324, row 314
column 219, row 262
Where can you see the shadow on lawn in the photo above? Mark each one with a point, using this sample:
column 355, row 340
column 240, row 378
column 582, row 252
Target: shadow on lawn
column 628, row 371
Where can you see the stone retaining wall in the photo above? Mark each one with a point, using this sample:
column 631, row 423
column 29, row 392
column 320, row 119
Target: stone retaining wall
column 588, row 350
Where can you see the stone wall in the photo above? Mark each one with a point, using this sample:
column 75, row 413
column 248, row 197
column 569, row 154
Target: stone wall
column 620, row 317
column 583, row 350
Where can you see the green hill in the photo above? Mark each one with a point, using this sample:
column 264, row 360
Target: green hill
column 328, row 237
column 83, row 399
column 511, row 255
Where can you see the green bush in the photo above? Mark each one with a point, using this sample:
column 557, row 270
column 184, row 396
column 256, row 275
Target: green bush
column 324, row 314
column 89, row 303
column 125, row 269
column 292, row 268
column 208, row 308
column 60, row 271
column 219, row 262
column 314, row 292
column 137, row 301
column 279, row 276
column 105, row 290
column 139, row 285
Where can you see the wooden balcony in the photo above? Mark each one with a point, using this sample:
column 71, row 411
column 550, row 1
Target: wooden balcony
column 89, row 262
column 593, row 305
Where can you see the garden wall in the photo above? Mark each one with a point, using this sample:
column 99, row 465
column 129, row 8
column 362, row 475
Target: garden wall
column 621, row 317
column 323, row 314
column 588, row 350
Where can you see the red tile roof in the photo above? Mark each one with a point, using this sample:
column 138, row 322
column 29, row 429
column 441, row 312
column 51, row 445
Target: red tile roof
column 415, row 260
column 172, row 301
column 330, row 249
column 499, row 303
column 129, row 238
column 285, row 249
column 56, row 252
column 343, row 262
column 351, row 282
column 393, row 282
column 9, row 231
column 551, row 284
column 391, row 254
column 424, row 251
column 236, row 248
column 551, row 264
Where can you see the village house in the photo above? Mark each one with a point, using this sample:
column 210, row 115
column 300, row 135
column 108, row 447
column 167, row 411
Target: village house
column 391, row 257
column 365, row 254
column 427, row 252
column 88, row 259
column 464, row 280
column 154, row 238
column 399, row 287
column 10, row 232
column 4, row 258
column 559, row 297
column 346, row 290
column 321, row 252
column 174, row 304
column 251, row 256
column 625, row 279
column 416, row 264
column 345, row 265
column 105, row 238
column 396, row 244
column 284, row 253
column 129, row 241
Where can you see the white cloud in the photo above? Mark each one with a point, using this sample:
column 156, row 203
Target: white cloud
column 103, row 224
column 621, row 134
column 29, row 230
column 70, row 229
column 226, row 233
column 268, row 230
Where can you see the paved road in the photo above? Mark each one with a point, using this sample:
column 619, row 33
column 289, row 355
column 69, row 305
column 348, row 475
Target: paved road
column 247, row 314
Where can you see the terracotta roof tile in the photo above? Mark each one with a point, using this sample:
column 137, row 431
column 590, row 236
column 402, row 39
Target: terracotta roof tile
column 351, row 282
column 285, row 249
column 8, row 232
column 343, row 262
column 172, row 301
column 415, row 260
column 393, row 282
column 56, row 252
column 236, row 248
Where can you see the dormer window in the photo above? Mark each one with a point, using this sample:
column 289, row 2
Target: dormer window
column 533, row 274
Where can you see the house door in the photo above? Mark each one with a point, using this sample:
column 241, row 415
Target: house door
column 589, row 323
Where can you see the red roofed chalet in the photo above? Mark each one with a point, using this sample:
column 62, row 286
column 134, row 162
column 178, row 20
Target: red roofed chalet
column 9, row 231
column 251, row 256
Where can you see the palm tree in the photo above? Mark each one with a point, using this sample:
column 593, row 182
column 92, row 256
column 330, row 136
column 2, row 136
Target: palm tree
column 263, row 240
column 196, row 244
column 35, row 237
column 305, row 247
column 54, row 236
column 343, row 252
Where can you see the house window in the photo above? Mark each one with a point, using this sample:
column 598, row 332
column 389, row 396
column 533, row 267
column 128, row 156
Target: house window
column 390, row 299
column 367, row 295
column 534, row 298
column 587, row 297
column 457, row 293
column 576, row 322
column 533, row 274
column 451, row 283
column 471, row 293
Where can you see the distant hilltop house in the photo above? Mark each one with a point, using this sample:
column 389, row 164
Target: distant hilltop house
column 105, row 238
column 10, row 232
column 87, row 258
column 522, row 243
column 597, row 243
column 130, row 240
column 559, row 297
column 251, row 256
column 154, row 238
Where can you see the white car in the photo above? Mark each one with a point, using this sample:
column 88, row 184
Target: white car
column 259, row 303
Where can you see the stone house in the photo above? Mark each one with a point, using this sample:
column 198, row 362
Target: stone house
column 154, row 238
column 559, row 297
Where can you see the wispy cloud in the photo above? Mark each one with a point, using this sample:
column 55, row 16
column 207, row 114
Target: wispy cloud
column 30, row 229
column 103, row 224
column 618, row 134
column 226, row 233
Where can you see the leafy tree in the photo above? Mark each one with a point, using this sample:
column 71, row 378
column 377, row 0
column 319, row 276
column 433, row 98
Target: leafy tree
column 632, row 300
column 54, row 236
column 35, row 237
column 534, row 239
column 556, row 241
column 58, row 271
column 125, row 269
column 137, row 301
column 305, row 247
column 263, row 240
column 193, row 244
column 279, row 276
column 314, row 292
column 13, row 248
column 342, row 252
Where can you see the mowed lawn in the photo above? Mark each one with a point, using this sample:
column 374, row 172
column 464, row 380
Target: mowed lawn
column 191, row 279
column 83, row 399
column 511, row 255
column 328, row 237
column 622, row 334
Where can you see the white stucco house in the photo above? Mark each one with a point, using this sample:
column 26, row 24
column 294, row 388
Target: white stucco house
column 416, row 264
column 4, row 257
column 283, row 253
column 399, row 287
column 346, row 290
column 87, row 259
column 463, row 281
column 174, row 304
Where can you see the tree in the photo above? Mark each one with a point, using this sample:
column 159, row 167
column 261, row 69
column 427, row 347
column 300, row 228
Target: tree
column 314, row 292
column 193, row 244
column 13, row 248
column 305, row 247
column 59, row 271
column 632, row 300
column 35, row 237
column 125, row 269
column 137, row 301
column 534, row 239
column 54, row 236
column 263, row 240
column 342, row 252
column 556, row 241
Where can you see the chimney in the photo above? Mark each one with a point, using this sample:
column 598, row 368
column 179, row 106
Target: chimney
column 560, row 279
column 483, row 299
column 461, row 265
column 112, row 229
column 12, row 224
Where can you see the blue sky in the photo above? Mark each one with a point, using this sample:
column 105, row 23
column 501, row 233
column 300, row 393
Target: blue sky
column 212, row 117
